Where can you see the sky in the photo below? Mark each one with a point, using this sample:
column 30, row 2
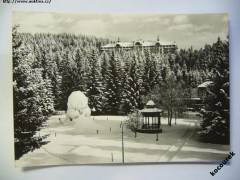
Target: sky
column 185, row 29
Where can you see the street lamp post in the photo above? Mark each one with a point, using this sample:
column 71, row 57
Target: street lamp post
column 121, row 126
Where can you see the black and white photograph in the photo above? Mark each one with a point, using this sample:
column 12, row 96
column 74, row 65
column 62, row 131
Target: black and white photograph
column 120, row 88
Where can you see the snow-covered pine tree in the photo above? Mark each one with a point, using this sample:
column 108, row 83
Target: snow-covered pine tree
column 104, row 59
column 94, row 84
column 104, row 65
column 67, row 79
column 31, row 101
column 43, row 58
column 71, row 79
column 150, row 76
column 133, row 87
column 55, row 81
column 113, row 89
column 79, row 71
column 48, row 101
column 215, row 123
column 50, row 74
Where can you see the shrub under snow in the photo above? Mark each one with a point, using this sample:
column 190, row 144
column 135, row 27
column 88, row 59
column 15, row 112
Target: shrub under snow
column 77, row 105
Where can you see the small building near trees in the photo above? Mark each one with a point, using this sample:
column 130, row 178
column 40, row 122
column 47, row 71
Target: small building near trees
column 197, row 96
column 202, row 89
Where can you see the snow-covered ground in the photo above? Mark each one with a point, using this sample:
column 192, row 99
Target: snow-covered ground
column 97, row 139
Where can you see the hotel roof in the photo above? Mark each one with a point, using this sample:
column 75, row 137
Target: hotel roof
column 137, row 43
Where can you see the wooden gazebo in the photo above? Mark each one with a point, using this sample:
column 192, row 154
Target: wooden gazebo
column 149, row 119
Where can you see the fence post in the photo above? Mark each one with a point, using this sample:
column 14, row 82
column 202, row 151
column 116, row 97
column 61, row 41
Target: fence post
column 112, row 157
column 122, row 144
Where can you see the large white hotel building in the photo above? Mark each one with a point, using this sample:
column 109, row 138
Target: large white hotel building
column 155, row 46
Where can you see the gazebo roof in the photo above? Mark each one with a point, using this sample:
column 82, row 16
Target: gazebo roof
column 150, row 103
column 150, row 110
